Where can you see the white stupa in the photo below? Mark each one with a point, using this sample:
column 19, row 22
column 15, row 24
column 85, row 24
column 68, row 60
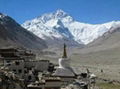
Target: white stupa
column 64, row 68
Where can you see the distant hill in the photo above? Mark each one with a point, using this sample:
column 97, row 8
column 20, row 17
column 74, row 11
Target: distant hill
column 104, row 50
column 109, row 40
column 12, row 34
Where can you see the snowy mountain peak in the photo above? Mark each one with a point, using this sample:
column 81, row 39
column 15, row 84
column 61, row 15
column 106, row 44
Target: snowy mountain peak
column 59, row 26
column 60, row 14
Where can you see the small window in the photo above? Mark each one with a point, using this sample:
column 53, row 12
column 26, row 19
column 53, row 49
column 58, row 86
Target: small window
column 8, row 64
column 20, row 71
column 25, row 71
column 8, row 61
column 17, row 63
column 29, row 77
column 14, row 70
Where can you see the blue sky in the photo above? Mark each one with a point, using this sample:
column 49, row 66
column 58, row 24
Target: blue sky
column 88, row 11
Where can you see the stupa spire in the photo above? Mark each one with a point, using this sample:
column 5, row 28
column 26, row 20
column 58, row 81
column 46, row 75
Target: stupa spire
column 64, row 52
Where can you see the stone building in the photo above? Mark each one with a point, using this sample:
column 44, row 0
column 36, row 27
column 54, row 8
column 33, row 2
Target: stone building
column 47, row 83
column 14, row 59
column 22, row 61
column 38, row 65
column 13, row 54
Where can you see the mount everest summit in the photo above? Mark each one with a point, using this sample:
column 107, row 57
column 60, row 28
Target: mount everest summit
column 59, row 27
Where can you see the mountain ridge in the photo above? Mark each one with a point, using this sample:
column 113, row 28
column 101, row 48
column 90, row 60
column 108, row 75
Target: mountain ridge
column 81, row 33
column 12, row 34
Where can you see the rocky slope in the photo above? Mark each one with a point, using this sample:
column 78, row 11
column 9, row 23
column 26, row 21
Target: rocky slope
column 12, row 34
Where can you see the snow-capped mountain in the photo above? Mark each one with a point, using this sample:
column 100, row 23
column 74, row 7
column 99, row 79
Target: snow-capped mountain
column 59, row 27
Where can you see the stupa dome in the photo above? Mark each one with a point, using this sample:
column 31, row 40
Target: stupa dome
column 64, row 68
